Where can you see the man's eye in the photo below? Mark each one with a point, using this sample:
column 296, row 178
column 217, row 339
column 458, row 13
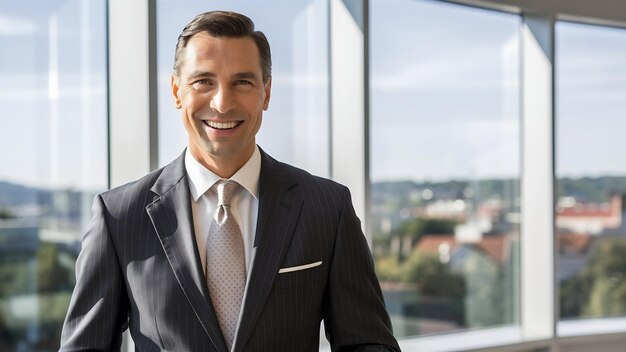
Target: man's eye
column 243, row 82
column 203, row 83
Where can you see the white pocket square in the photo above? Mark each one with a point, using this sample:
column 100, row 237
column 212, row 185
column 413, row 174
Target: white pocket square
column 299, row 267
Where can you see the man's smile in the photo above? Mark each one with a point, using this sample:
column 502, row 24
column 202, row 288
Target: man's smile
column 222, row 125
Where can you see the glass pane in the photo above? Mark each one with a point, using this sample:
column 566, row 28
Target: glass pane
column 591, row 169
column 296, row 127
column 445, row 137
column 53, row 136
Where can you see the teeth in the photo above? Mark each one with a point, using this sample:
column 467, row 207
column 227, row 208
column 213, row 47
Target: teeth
column 221, row 125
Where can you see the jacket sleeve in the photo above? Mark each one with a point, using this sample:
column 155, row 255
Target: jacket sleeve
column 98, row 310
column 355, row 317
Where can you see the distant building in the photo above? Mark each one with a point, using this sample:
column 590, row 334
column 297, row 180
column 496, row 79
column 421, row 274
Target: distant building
column 19, row 236
column 496, row 248
column 447, row 209
column 574, row 252
column 592, row 218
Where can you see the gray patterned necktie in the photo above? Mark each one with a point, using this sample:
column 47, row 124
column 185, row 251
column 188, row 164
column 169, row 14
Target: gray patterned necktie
column 225, row 262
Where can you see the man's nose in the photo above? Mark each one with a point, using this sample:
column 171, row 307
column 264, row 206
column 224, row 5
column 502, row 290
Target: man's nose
column 222, row 101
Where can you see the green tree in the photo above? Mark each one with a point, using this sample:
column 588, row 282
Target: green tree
column 432, row 276
column 608, row 268
column 599, row 289
column 15, row 275
column 418, row 227
column 6, row 213
column 388, row 268
column 52, row 275
column 574, row 294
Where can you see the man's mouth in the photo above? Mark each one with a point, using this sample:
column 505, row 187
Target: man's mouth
column 222, row 125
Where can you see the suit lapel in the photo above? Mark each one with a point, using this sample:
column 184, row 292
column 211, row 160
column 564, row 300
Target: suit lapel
column 279, row 210
column 172, row 219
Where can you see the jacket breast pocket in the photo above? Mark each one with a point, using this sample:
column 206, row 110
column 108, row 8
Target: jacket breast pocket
column 296, row 278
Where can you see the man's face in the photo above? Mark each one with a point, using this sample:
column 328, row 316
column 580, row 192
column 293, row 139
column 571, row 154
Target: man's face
column 222, row 96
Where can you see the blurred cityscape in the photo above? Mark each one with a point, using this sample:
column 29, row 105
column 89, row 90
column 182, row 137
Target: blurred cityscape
column 40, row 233
column 447, row 253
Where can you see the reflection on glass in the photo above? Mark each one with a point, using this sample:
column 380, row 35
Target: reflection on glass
column 296, row 127
column 52, row 156
column 591, row 172
column 445, row 164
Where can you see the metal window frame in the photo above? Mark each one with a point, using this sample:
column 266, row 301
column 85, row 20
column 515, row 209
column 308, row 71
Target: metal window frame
column 132, row 89
column 349, row 99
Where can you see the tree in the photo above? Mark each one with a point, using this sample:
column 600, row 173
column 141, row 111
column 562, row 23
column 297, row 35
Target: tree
column 388, row 269
column 599, row 290
column 6, row 213
column 418, row 227
column 52, row 275
column 574, row 294
column 432, row 276
column 608, row 268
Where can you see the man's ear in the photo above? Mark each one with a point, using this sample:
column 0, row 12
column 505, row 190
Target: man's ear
column 176, row 92
column 268, row 93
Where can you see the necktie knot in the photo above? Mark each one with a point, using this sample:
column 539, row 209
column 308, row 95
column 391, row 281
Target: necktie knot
column 225, row 191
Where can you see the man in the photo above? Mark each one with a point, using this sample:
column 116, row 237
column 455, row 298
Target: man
column 225, row 249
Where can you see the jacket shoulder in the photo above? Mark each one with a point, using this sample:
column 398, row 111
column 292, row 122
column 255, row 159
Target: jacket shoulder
column 313, row 184
column 131, row 194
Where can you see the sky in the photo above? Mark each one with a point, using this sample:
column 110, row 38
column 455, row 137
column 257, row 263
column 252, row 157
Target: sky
column 444, row 93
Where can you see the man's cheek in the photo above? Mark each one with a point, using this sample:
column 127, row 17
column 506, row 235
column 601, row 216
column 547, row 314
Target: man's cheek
column 188, row 113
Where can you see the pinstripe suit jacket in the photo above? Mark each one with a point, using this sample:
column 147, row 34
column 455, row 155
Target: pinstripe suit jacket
column 139, row 268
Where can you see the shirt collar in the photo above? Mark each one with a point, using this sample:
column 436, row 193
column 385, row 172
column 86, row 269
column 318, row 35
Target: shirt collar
column 201, row 178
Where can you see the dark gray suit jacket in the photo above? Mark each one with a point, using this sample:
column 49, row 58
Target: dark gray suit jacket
column 139, row 268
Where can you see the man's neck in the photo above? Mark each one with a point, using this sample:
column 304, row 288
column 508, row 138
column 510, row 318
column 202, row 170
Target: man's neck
column 223, row 167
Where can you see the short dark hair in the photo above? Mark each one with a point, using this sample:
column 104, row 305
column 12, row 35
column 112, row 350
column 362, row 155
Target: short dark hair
column 225, row 24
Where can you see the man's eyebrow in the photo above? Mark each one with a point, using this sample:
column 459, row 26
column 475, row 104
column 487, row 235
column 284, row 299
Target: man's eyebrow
column 239, row 75
column 246, row 75
column 199, row 73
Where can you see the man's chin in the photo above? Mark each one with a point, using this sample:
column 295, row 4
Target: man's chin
column 228, row 152
column 224, row 152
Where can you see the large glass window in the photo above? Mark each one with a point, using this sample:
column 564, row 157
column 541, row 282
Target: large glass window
column 591, row 170
column 53, row 157
column 296, row 127
column 445, row 164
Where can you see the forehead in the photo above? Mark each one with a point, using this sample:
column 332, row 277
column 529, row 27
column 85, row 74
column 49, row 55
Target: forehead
column 237, row 54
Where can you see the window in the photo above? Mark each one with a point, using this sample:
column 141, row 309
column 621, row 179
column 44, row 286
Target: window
column 53, row 118
column 296, row 126
column 444, row 163
column 591, row 170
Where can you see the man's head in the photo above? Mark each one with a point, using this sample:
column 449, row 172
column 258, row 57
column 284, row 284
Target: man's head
column 224, row 24
column 222, row 83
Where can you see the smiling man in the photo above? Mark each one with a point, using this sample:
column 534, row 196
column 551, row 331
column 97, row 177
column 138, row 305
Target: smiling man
column 225, row 248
